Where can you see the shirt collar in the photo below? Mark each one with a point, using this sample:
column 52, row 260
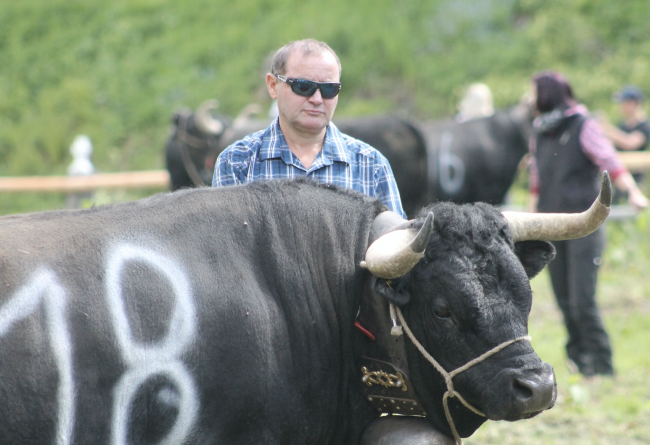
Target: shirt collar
column 274, row 146
column 273, row 142
column 335, row 142
column 576, row 109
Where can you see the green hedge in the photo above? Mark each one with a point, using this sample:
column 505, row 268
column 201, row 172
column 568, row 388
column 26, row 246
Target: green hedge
column 118, row 70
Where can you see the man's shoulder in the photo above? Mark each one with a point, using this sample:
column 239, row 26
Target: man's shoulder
column 355, row 146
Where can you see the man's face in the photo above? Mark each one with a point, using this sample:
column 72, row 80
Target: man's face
column 305, row 114
column 628, row 107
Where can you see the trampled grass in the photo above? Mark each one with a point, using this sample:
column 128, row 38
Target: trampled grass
column 607, row 410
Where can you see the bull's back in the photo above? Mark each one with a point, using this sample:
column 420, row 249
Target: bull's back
column 167, row 319
column 475, row 160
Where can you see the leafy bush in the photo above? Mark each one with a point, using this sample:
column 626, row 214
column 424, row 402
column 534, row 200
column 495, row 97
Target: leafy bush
column 118, row 70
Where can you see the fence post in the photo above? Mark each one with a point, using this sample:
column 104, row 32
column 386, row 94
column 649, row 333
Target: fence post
column 81, row 149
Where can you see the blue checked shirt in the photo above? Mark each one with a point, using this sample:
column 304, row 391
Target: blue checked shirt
column 343, row 161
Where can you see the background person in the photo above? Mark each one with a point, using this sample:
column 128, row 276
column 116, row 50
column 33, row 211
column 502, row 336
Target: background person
column 569, row 152
column 633, row 131
column 302, row 141
column 476, row 103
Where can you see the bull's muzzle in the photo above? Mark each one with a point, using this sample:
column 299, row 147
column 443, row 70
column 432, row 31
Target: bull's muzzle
column 529, row 391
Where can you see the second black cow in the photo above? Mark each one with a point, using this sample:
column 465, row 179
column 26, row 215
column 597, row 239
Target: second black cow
column 472, row 161
column 460, row 162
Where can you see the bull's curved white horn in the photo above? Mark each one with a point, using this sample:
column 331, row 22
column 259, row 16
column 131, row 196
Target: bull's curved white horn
column 245, row 114
column 395, row 253
column 561, row 226
column 204, row 120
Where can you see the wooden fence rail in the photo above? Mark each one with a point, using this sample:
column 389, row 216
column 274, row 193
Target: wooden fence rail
column 72, row 184
column 634, row 161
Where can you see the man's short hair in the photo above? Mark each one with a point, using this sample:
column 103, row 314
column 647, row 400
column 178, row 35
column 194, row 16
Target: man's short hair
column 308, row 47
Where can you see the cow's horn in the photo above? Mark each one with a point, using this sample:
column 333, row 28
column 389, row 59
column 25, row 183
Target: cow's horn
column 561, row 226
column 246, row 114
column 395, row 253
column 204, row 120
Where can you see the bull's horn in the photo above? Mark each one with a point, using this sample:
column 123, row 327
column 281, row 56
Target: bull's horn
column 204, row 120
column 395, row 253
column 246, row 113
column 561, row 226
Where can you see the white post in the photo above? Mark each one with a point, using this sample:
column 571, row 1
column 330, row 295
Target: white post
column 81, row 149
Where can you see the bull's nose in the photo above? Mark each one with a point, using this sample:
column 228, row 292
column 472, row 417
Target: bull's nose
column 535, row 391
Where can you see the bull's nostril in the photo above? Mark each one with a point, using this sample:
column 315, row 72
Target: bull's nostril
column 522, row 388
column 534, row 393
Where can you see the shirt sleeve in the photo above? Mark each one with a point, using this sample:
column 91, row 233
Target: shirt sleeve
column 227, row 171
column 533, row 180
column 386, row 188
column 599, row 149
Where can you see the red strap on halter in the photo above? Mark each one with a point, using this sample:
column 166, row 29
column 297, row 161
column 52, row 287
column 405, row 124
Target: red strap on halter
column 364, row 330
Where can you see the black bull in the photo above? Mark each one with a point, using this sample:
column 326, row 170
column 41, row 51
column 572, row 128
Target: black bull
column 472, row 161
column 226, row 316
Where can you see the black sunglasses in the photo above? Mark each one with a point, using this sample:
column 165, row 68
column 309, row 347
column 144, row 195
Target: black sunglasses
column 307, row 88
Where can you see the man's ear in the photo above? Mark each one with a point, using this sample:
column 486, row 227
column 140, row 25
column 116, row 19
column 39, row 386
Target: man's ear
column 271, row 85
column 534, row 255
column 398, row 297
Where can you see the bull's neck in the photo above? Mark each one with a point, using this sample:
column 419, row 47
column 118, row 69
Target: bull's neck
column 381, row 363
column 374, row 316
column 392, row 354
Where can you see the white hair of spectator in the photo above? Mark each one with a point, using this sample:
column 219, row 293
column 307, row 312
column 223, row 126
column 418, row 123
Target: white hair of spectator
column 476, row 103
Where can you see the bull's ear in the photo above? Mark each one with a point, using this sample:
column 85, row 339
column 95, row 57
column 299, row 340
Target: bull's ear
column 394, row 293
column 534, row 255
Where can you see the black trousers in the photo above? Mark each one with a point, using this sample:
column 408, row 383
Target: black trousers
column 574, row 273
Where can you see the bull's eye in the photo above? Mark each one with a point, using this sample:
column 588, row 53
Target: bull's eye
column 441, row 312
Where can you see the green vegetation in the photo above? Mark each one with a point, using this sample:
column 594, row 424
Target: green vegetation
column 118, row 70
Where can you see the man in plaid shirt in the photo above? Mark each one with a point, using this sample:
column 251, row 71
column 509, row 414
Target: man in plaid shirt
column 302, row 141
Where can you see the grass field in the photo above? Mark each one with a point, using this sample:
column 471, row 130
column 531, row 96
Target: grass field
column 608, row 410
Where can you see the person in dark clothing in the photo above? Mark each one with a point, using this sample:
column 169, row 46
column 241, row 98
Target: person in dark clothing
column 633, row 132
column 569, row 152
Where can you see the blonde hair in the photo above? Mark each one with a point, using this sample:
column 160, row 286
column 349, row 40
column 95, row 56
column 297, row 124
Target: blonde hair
column 476, row 103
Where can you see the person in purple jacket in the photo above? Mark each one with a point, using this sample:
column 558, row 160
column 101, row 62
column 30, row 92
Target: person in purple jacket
column 569, row 152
